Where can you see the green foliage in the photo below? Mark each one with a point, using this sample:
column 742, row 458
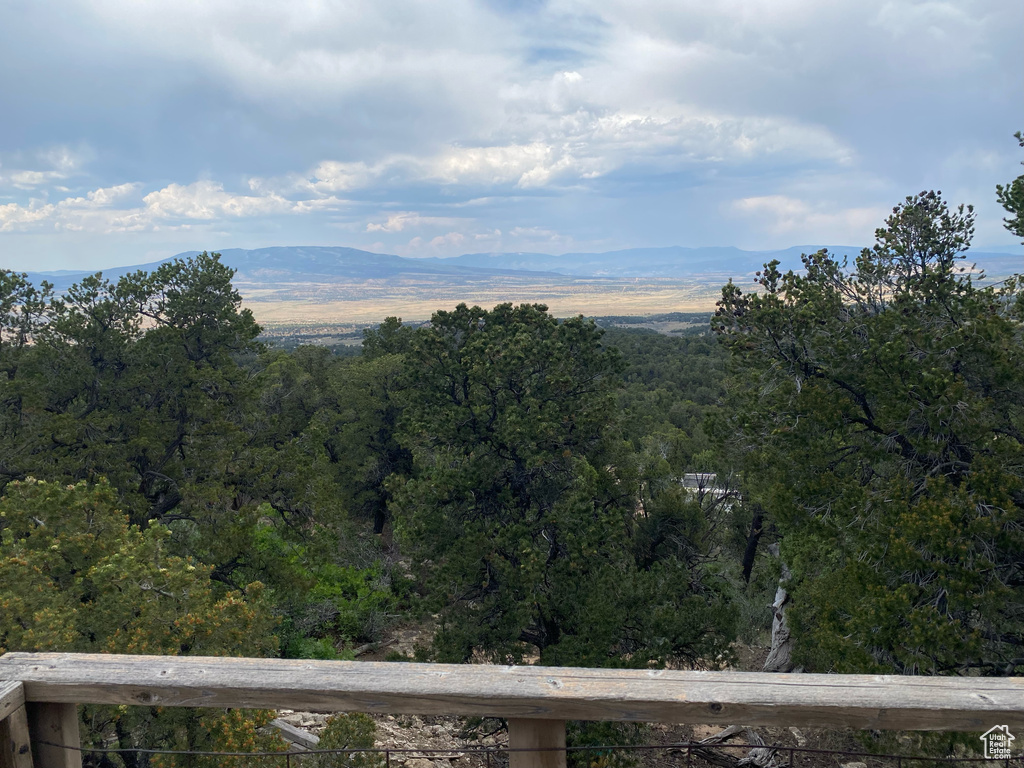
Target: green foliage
column 76, row 576
column 671, row 386
column 22, row 310
column 881, row 418
column 520, row 508
column 139, row 382
column 388, row 338
column 325, row 602
column 582, row 736
column 232, row 730
column 157, row 384
column 264, row 464
column 300, row 647
column 360, row 432
column 354, row 731
column 1011, row 197
column 223, row 458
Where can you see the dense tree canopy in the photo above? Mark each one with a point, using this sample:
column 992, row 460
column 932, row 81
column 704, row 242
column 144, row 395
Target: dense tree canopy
column 76, row 576
column 543, row 489
column 882, row 413
column 179, row 462
column 521, row 507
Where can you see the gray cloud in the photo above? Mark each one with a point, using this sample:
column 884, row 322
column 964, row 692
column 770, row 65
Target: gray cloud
column 494, row 124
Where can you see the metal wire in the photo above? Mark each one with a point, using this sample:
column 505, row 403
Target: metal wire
column 487, row 751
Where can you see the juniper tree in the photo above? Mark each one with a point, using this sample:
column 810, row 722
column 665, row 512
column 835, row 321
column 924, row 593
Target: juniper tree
column 521, row 510
column 882, row 416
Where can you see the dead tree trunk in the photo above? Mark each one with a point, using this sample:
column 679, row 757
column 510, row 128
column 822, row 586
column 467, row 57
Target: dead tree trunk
column 780, row 657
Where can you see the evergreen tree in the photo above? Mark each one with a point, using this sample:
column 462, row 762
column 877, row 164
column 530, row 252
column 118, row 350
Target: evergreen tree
column 75, row 575
column 521, row 508
column 1011, row 197
column 882, row 417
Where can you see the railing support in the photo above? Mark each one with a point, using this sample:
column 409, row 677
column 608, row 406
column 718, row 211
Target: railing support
column 548, row 736
column 57, row 725
column 15, row 749
column 886, row 702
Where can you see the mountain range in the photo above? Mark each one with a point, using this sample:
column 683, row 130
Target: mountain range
column 331, row 264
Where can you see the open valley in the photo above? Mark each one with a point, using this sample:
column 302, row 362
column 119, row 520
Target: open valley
column 370, row 301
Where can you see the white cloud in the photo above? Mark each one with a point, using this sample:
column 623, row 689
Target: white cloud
column 32, row 179
column 59, row 162
column 319, row 204
column 396, row 222
column 206, row 200
column 100, row 198
column 823, row 222
column 333, row 176
column 575, row 147
column 524, row 166
column 448, row 241
column 174, row 205
column 314, row 55
column 63, row 159
column 14, row 216
column 462, row 106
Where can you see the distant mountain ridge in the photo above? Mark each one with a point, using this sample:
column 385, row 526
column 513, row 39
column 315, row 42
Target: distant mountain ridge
column 673, row 261
column 306, row 264
column 335, row 264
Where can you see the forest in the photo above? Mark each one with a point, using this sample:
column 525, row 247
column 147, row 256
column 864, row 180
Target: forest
column 517, row 484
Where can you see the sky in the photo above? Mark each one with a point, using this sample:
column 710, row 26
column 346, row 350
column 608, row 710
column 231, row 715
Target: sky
column 131, row 130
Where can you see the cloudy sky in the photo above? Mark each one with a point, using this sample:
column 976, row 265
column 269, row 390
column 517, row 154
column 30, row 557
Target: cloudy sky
column 131, row 130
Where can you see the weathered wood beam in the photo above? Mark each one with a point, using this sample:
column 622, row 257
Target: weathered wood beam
column 53, row 729
column 12, row 696
column 556, row 693
column 544, row 741
column 15, row 751
column 15, row 744
column 304, row 739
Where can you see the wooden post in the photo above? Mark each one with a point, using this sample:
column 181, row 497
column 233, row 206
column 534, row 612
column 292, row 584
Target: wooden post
column 12, row 696
column 56, row 724
column 547, row 735
column 15, row 748
column 15, row 751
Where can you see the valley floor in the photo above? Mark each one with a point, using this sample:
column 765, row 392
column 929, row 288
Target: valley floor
column 371, row 301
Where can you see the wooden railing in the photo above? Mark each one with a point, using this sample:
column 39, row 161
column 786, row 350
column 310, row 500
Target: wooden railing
column 39, row 693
